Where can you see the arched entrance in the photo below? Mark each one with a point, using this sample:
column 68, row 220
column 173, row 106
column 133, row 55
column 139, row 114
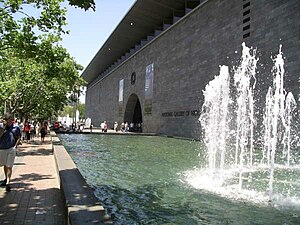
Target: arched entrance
column 133, row 112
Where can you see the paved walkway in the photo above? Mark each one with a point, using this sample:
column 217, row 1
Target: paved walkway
column 35, row 197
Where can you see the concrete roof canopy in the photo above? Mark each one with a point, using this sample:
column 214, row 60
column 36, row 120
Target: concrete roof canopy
column 142, row 20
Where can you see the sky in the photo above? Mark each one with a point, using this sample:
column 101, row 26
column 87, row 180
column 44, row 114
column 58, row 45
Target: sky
column 90, row 29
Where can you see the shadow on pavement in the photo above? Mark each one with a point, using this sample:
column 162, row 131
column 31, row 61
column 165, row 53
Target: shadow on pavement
column 31, row 206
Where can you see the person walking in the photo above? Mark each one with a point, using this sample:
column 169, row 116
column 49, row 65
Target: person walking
column 8, row 145
column 27, row 131
column 102, row 125
column 105, row 126
column 91, row 128
column 116, row 126
column 43, row 132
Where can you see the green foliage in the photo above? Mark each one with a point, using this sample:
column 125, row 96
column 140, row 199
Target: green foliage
column 36, row 74
column 67, row 110
column 84, row 4
column 70, row 110
column 23, row 31
column 33, row 89
column 25, row 24
column 81, row 109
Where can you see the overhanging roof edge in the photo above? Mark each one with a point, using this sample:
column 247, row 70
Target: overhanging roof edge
column 85, row 71
column 126, row 38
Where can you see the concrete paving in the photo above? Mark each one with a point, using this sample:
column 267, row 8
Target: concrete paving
column 35, row 196
column 44, row 191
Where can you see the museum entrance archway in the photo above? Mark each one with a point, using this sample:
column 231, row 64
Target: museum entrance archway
column 133, row 113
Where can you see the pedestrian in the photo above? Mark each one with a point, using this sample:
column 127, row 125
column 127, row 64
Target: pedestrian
column 102, row 125
column 116, row 126
column 91, row 127
column 81, row 127
column 73, row 127
column 27, row 131
column 126, row 127
column 32, row 131
column 105, row 126
column 8, row 145
column 123, row 127
column 131, row 127
column 43, row 132
column 37, row 129
column 21, row 126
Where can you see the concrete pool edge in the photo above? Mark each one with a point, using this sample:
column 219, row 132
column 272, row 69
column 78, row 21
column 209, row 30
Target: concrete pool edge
column 82, row 206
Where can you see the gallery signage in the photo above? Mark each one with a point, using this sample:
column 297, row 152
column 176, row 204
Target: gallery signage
column 149, row 88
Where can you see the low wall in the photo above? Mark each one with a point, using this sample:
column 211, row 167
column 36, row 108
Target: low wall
column 82, row 205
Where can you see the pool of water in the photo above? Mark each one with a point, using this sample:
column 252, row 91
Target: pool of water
column 140, row 180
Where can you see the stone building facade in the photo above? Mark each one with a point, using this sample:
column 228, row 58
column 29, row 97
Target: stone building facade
column 160, row 82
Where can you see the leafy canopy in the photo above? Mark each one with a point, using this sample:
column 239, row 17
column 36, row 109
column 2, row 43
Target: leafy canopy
column 36, row 74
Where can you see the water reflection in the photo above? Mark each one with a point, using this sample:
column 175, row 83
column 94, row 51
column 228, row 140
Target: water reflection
column 138, row 181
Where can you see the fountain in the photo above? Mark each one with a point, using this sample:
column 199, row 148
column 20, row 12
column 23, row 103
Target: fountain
column 230, row 178
column 237, row 165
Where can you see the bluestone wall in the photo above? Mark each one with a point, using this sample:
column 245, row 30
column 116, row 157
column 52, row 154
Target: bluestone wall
column 187, row 56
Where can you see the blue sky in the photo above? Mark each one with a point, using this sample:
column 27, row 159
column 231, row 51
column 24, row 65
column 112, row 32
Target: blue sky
column 90, row 29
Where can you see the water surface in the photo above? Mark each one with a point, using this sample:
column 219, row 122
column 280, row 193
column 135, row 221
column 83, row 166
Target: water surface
column 139, row 180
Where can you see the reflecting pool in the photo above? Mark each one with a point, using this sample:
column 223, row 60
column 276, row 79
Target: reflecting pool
column 140, row 180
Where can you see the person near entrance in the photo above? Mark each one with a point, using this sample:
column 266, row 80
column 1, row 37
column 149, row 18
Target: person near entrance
column 8, row 144
column 116, row 126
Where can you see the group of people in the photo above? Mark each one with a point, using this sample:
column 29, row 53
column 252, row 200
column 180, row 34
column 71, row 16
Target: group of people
column 10, row 137
column 125, row 127
column 33, row 130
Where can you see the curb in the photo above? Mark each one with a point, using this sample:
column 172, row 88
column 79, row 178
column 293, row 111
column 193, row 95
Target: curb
column 81, row 204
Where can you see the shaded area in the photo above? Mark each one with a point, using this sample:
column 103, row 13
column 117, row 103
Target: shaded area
column 19, row 182
column 35, row 152
column 130, row 107
column 133, row 113
column 34, row 197
column 31, row 206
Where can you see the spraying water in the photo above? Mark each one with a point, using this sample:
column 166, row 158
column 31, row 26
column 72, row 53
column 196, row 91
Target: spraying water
column 215, row 114
column 277, row 119
column 215, row 119
column 222, row 104
column 245, row 120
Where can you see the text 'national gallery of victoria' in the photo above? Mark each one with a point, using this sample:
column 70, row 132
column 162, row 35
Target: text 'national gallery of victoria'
column 155, row 67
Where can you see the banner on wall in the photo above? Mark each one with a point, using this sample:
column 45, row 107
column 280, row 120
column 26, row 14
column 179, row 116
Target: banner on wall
column 121, row 93
column 149, row 88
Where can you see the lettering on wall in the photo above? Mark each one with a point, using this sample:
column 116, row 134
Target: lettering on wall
column 181, row 113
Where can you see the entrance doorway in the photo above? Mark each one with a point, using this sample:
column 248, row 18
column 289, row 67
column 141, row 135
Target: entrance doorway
column 133, row 113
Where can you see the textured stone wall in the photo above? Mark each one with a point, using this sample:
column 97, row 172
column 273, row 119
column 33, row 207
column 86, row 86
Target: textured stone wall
column 188, row 56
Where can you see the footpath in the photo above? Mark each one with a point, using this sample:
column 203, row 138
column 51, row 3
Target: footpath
column 35, row 196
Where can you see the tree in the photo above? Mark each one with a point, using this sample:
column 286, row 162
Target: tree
column 36, row 73
column 69, row 110
column 20, row 21
column 31, row 88
column 84, row 4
